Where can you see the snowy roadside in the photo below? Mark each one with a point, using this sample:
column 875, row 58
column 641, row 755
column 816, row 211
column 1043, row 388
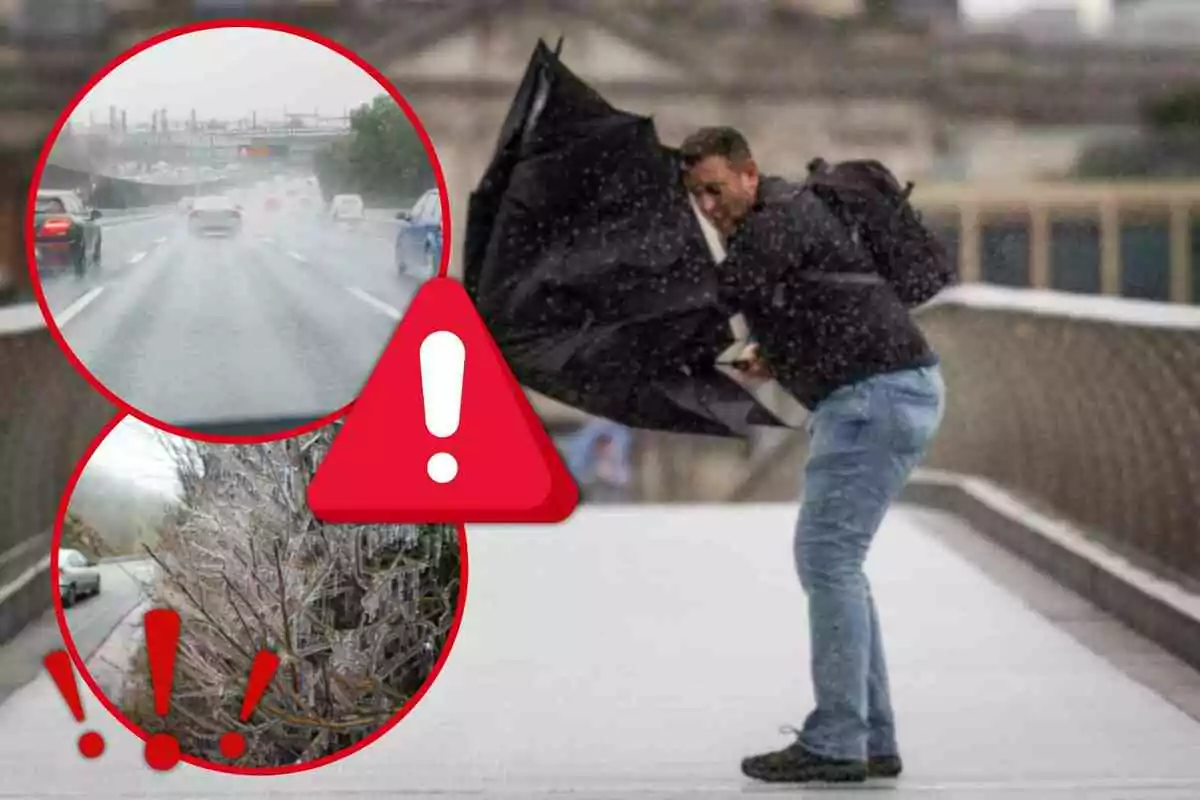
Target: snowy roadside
column 111, row 662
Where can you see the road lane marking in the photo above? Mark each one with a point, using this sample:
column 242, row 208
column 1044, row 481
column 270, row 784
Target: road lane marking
column 160, row 240
column 136, row 257
column 79, row 305
column 374, row 302
column 297, row 256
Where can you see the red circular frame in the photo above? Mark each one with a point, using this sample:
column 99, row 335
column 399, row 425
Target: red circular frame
column 43, row 157
column 214, row 766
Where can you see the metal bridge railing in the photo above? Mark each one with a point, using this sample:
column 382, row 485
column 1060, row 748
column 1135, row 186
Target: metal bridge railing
column 1138, row 240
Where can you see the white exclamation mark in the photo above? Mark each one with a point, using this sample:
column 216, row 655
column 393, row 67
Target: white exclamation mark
column 443, row 363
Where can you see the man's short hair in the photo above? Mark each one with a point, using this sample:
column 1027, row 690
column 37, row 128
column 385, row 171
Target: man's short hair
column 721, row 141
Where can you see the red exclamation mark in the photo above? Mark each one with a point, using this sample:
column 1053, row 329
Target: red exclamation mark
column 162, row 642
column 233, row 744
column 443, row 362
column 58, row 664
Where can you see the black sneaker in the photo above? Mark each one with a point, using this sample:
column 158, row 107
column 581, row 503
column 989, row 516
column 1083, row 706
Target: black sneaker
column 884, row 767
column 794, row 764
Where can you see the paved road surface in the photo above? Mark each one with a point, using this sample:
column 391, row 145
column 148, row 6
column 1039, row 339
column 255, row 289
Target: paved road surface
column 286, row 320
column 91, row 621
column 639, row 653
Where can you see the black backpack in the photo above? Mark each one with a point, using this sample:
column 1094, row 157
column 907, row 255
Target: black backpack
column 868, row 199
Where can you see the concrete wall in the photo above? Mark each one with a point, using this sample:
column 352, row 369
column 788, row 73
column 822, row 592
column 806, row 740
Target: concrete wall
column 49, row 415
column 108, row 192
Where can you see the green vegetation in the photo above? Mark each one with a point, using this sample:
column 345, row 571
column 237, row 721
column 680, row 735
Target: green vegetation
column 881, row 10
column 78, row 535
column 1168, row 147
column 1177, row 112
column 382, row 159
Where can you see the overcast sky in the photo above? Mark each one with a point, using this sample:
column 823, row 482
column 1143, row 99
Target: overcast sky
column 136, row 452
column 229, row 72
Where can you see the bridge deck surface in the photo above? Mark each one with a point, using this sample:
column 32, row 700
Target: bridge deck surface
column 640, row 652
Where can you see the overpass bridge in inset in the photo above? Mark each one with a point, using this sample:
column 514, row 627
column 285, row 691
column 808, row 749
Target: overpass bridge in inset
column 280, row 145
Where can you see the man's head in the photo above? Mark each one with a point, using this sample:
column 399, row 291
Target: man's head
column 720, row 172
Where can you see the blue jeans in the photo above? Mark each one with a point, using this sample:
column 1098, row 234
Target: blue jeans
column 865, row 441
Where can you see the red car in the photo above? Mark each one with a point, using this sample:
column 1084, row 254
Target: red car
column 272, row 204
column 66, row 232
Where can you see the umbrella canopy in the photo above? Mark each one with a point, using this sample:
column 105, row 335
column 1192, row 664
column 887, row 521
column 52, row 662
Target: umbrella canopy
column 587, row 261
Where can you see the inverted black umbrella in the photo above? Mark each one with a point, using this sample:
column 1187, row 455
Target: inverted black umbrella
column 587, row 262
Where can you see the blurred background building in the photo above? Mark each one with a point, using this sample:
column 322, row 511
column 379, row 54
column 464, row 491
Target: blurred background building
column 914, row 83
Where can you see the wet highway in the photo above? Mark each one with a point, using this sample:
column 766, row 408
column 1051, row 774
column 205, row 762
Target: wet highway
column 284, row 320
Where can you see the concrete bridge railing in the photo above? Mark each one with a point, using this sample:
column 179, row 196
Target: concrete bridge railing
column 1087, row 408
column 1071, row 438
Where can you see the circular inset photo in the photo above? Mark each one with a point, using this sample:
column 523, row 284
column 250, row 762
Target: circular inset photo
column 226, row 225
column 222, row 623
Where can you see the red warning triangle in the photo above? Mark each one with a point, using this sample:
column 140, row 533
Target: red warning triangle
column 442, row 431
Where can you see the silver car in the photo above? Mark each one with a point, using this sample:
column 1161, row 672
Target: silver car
column 215, row 215
column 78, row 577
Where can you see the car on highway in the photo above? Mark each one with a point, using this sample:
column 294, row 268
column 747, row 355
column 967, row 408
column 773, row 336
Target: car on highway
column 347, row 209
column 78, row 577
column 419, row 238
column 185, row 204
column 66, row 232
column 272, row 204
column 215, row 214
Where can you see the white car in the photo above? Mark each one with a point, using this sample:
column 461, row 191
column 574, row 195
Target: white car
column 78, row 577
column 347, row 208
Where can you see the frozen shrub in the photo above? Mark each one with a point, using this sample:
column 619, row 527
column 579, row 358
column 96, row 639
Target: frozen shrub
column 357, row 613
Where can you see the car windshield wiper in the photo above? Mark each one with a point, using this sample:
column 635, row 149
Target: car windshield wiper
column 249, row 427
